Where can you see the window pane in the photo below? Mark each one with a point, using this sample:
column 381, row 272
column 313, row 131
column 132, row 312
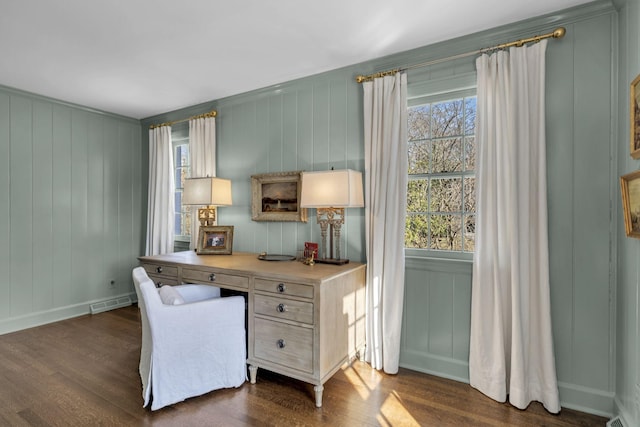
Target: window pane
column 470, row 194
column 419, row 122
column 442, row 150
column 177, row 200
column 177, row 223
column 416, row 231
column 417, row 195
column 470, row 153
column 447, row 118
column 469, row 232
column 418, row 157
column 182, row 155
column 470, row 115
column 447, row 155
column 446, row 195
column 445, row 232
column 181, row 175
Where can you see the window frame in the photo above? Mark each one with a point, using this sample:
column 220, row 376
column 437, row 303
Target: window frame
column 421, row 93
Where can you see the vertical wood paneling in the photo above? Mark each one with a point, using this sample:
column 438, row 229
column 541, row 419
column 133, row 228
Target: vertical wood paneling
column 415, row 330
column 320, row 126
column 441, row 312
column 5, row 205
column 337, row 123
column 125, row 204
column 461, row 315
column 56, row 230
column 95, row 203
column 80, row 271
column 437, row 306
column 111, row 207
column 62, row 206
column 21, row 211
column 43, row 245
column 138, row 231
column 592, row 202
column 561, row 146
column 628, row 269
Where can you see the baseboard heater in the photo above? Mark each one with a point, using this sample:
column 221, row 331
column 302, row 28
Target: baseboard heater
column 111, row 304
column 616, row 422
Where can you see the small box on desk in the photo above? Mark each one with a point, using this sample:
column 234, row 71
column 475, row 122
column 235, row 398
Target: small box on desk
column 310, row 249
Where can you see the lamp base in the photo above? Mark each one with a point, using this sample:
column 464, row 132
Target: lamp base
column 331, row 261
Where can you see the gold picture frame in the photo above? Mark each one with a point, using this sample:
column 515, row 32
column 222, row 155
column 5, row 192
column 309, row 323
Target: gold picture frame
column 276, row 197
column 630, row 187
column 634, row 109
column 215, row 240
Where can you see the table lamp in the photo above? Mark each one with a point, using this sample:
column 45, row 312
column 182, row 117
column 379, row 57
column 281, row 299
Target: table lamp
column 209, row 192
column 330, row 192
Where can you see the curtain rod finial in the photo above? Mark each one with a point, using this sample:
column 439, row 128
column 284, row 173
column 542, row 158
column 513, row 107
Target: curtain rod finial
column 559, row 33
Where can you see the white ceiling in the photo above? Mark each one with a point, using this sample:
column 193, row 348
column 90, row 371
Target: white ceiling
column 139, row 58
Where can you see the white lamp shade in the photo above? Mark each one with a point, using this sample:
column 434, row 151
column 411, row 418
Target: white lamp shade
column 208, row 191
column 332, row 189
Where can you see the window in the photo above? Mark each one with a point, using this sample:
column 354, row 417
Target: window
column 182, row 214
column 441, row 186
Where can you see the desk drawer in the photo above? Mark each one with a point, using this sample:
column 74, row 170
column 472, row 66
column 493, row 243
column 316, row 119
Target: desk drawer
column 283, row 288
column 207, row 277
column 286, row 345
column 283, row 308
column 163, row 280
column 162, row 269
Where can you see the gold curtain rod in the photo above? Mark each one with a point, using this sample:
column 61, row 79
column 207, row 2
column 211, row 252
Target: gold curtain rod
column 556, row 34
column 212, row 113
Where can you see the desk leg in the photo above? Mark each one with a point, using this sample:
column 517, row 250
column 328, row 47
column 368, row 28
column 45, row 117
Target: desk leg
column 253, row 372
column 318, row 389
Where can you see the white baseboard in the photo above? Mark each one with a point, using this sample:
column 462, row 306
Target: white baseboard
column 584, row 399
column 31, row 320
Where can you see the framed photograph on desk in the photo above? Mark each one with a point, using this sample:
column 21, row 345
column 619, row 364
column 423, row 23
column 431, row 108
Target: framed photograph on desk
column 215, row 240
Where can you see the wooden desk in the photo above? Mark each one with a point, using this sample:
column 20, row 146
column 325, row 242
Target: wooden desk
column 304, row 321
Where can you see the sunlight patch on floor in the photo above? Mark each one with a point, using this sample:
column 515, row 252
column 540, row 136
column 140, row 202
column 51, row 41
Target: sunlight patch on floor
column 393, row 413
column 359, row 384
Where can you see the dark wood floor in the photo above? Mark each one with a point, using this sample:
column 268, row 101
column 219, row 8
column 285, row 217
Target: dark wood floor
column 84, row 372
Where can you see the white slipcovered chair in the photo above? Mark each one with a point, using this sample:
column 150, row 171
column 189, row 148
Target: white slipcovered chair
column 190, row 348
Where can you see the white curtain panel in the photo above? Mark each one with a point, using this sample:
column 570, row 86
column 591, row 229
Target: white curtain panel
column 385, row 136
column 202, row 149
column 160, row 207
column 511, row 346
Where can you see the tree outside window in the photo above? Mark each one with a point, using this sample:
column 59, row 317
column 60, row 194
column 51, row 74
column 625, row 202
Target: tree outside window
column 441, row 186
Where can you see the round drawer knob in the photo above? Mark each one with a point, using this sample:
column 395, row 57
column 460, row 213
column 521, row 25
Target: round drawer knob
column 212, row 277
column 281, row 343
column 281, row 308
column 281, row 287
column 159, row 269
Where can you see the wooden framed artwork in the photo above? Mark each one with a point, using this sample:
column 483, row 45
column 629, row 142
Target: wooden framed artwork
column 634, row 109
column 276, row 197
column 215, row 240
column 630, row 187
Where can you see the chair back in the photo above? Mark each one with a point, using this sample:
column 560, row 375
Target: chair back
column 140, row 277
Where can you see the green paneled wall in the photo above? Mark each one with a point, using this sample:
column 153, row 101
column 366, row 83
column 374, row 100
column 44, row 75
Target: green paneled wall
column 71, row 210
column 627, row 374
